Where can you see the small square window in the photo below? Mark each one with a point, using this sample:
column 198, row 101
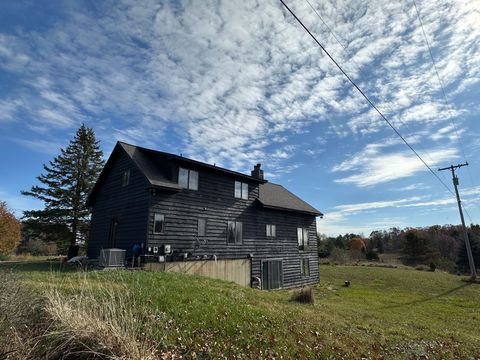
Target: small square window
column 159, row 223
column 126, row 178
column 271, row 230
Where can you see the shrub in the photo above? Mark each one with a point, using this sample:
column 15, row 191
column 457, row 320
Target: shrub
column 422, row 268
column 36, row 247
column 372, row 255
column 304, row 295
column 339, row 256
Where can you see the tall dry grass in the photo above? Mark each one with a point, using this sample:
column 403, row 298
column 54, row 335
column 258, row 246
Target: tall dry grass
column 101, row 321
column 21, row 318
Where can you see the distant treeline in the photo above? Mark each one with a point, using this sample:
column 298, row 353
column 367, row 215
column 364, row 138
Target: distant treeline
column 434, row 246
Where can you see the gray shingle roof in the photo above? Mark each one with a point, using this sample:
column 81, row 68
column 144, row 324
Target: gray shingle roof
column 144, row 158
column 149, row 169
column 274, row 196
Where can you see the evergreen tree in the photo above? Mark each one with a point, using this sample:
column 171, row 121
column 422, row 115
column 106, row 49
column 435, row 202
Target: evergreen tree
column 66, row 183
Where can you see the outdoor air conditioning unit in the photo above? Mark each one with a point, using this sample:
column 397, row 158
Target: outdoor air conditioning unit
column 112, row 257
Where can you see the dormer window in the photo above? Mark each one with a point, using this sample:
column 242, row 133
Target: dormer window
column 241, row 190
column 126, row 178
column 188, row 179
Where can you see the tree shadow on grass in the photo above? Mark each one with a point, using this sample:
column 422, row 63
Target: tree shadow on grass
column 430, row 298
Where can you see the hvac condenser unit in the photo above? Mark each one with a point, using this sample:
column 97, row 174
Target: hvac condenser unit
column 112, row 257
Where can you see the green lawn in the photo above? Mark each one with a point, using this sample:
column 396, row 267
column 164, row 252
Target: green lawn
column 384, row 314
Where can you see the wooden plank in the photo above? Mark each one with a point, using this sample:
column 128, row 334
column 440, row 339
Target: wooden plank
column 237, row 271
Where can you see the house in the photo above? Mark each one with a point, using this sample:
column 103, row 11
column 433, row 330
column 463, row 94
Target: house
column 185, row 210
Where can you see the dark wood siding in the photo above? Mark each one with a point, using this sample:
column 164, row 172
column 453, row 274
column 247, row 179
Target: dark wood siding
column 128, row 204
column 215, row 201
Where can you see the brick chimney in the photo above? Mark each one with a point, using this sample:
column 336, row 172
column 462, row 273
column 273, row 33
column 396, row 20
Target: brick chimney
column 257, row 172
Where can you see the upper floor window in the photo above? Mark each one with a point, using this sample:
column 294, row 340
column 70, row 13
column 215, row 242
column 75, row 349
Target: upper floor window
column 241, row 190
column 202, row 227
column 188, row 179
column 271, row 230
column 305, row 267
column 158, row 223
column 302, row 236
column 126, row 178
column 234, row 232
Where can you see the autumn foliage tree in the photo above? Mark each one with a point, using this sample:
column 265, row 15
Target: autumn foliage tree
column 9, row 230
column 357, row 243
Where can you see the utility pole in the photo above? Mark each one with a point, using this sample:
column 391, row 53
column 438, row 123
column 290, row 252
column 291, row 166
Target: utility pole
column 471, row 263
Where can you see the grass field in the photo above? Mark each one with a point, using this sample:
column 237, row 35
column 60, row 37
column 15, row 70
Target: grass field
column 384, row 314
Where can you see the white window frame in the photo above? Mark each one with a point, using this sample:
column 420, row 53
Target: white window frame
column 302, row 238
column 237, row 232
column 192, row 179
column 271, row 230
column 161, row 218
column 240, row 190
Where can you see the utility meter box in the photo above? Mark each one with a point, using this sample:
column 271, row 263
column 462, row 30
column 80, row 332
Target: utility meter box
column 167, row 249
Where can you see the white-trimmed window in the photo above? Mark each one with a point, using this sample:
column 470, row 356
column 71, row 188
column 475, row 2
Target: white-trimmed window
column 202, row 226
column 234, row 232
column 305, row 267
column 271, row 230
column 158, row 223
column 302, row 237
column 241, row 190
column 126, row 178
column 188, row 179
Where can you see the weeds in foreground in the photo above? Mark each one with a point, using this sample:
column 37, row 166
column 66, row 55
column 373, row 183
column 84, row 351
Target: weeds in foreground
column 100, row 322
column 304, row 295
column 95, row 323
column 21, row 318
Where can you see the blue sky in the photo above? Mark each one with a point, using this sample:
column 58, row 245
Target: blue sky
column 236, row 83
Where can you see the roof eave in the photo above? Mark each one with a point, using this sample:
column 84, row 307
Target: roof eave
column 314, row 213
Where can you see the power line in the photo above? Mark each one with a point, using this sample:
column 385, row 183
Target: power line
column 358, row 68
column 365, row 96
column 328, row 27
column 442, row 87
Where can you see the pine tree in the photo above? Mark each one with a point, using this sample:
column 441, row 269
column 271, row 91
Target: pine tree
column 66, row 183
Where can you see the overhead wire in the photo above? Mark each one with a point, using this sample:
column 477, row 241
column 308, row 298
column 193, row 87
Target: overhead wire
column 444, row 93
column 367, row 98
column 442, row 86
column 330, row 30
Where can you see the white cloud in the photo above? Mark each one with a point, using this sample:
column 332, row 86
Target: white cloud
column 230, row 84
column 371, row 166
